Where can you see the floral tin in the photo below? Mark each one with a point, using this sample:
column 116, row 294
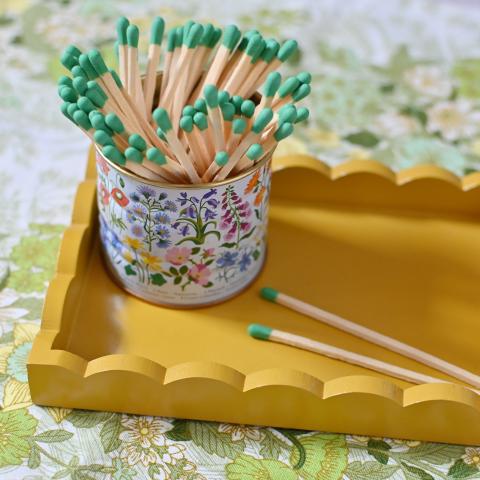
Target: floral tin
column 183, row 245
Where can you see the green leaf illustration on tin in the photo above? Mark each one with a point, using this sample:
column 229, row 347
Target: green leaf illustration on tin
column 326, row 456
column 414, row 473
column 256, row 254
column 129, row 270
column 110, row 432
column 87, row 419
column 369, row 470
column 379, row 450
column 460, row 469
column 183, row 269
column 157, row 279
column 363, row 138
column 249, row 468
column 51, row 436
column 179, row 432
column 207, row 436
column 228, row 245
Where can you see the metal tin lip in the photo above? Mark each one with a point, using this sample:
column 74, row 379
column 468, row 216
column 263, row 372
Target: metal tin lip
column 184, row 186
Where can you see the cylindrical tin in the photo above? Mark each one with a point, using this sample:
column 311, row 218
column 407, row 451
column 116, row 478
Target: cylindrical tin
column 183, row 245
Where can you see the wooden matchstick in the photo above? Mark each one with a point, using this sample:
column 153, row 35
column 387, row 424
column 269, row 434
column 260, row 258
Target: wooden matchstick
column 122, row 25
column 371, row 336
column 262, row 332
column 154, row 50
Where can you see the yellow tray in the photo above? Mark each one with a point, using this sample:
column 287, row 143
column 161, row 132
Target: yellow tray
column 397, row 253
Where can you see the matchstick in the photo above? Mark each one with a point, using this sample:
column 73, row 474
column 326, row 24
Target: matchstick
column 253, row 153
column 211, row 98
column 262, row 332
column 122, row 25
column 371, row 336
column 158, row 27
column 134, row 82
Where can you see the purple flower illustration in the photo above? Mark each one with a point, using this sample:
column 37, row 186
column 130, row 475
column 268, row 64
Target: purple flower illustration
column 137, row 230
column 227, row 259
column 146, row 191
column 244, row 262
column 236, row 217
column 170, row 206
column 163, row 243
column 162, row 196
column 210, row 193
column 162, row 217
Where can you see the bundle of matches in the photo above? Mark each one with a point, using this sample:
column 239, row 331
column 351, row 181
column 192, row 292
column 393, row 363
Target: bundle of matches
column 201, row 120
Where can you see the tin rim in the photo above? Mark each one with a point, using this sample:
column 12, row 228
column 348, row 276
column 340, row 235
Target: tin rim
column 188, row 186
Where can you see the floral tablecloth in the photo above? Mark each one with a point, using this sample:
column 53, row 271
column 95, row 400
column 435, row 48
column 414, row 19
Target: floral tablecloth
column 398, row 81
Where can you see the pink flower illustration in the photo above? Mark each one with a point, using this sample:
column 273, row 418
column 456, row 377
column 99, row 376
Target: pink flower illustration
column 177, row 255
column 200, row 274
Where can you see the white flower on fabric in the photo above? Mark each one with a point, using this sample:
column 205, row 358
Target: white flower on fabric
column 453, row 120
column 472, row 456
column 239, row 432
column 172, row 453
column 429, row 81
column 146, row 431
column 393, row 124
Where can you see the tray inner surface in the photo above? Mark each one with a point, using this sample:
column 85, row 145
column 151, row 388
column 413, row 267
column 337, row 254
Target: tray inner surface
column 406, row 272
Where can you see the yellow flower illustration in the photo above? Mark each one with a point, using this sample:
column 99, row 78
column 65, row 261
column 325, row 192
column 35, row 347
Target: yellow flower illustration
column 151, row 261
column 127, row 256
column 13, row 360
column 239, row 432
column 134, row 243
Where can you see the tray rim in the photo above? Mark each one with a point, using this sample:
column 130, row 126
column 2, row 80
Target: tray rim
column 74, row 239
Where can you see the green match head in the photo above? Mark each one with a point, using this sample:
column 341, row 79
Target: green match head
column 113, row 122
column 283, row 131
column 80, row 85
column 68, row 60
column 302, row 114
column 65, row 81
column 64, row 109
column 288, row 86
column 114, row 154
column 189, row 111
column 87, row 66
column 78, row 71
column 260, row 332
column 81, row 119
column 254, row 44
column 259, row 51
column 122, row 25
column 73, row 50
column 254, row 152
column 288, row 113
column 98, row 121
column 237, row 101
column 223, row 97
column 215, row 37
column 68, row 94
column 71, row 108
column 200, row 120
column 231, row 35
column 178, row 37
column 201, row 105
column 158, row 27
column 156, row 156
column 272, row 84
column 221, row 158
column 262, row 120
column 133, row 154
column 211, row 96
column 93, row 85
column 238, row 126
column 97, row 61
column 132, row 36
column 86, row 104
column 186, row 123
column 208, row 31
column 269, row 294
column 228, row 111
column 160, row 115
column 287, row 50
column 301, row 92
column 270, row 51
column 137, row 141
column 171, row 39
column 304, row 77
column 116, row 78
column 103, row 138
column 248, row 108
column 194, row 35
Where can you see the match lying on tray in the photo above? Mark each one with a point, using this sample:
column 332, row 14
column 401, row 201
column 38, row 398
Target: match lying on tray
column 199, row 121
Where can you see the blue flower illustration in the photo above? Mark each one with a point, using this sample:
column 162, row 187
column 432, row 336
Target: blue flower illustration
column 137, row 230
column 162, row 217
column 170, row 206
column 146, row 191
column 227, row 259
column 244, row 262
column 209, row 214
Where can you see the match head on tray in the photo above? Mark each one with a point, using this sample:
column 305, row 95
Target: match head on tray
column 260, row 332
